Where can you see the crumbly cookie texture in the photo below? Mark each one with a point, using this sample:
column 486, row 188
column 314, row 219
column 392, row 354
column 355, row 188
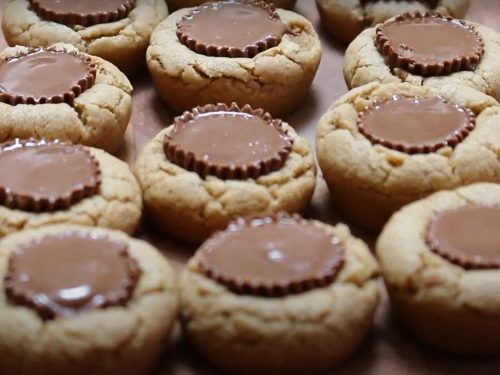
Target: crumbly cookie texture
column 363, row 64
column 370, row 182
column 345, row 19
column 276, row 79
column 190, row 208
column 123, row 42
column 116, row 205
column 116, row 340
column 177, row 4
column 297, row 334
column 98, row 118
column 443, row 304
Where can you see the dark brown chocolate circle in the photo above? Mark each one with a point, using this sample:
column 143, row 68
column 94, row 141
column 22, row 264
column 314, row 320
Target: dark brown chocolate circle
column 84, row 12
column 65, row 274
column 429, row 45
column 41, row 176
column 45, row 76
column 272, row 256
column 228, row 142
column 231, row 28
column 416, row 125
column 468, row 236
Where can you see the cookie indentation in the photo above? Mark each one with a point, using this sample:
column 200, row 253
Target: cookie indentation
column 84, row 12
column 228, row 142
column 468, row 236
column 416, row 125
column 45, row 76
column 45, row 176
column 429, row 44
column 272, row 256
column 231, row 28
column 68, row 273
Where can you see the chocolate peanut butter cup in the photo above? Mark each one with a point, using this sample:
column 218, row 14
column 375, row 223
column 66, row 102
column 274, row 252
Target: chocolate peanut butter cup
column 64, row 274
column 468, row 236
column 231, row 28
column 272, row 256
column 416, row 125
column 228, row 142
column 84, row 13
column 46, row 176
column 429, row 44
column 45, row 76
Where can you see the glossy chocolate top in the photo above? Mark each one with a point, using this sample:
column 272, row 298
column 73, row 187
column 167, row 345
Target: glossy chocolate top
column 429, row 45
column 468, row 236
column 40, row 176
column 415, row 125
column 231, row 28
column 67, row 273
column 85, row 12
column 45, row 76
column 228, row 143
column 272, row 256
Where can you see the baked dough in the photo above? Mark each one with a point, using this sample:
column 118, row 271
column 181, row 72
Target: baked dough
column 115, row 340
column 306, row 333
column 276, row 79
column 188, row 207
column 345, row 19
column 363, row 64
column 123, row 42
column 443, row 304
column 116, row 205
column 370, row 182
column 98, row 117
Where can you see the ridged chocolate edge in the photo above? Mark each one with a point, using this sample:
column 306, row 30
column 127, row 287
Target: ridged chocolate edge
column 452, row 141
column 430, row 3
column 253, row 287
column 67, row 97
column 14, row 201
column 24, row 297
column 394, row 60
column 228, row 51
column 187, row 160
column 85, row 20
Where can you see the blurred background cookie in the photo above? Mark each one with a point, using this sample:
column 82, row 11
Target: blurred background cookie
column 210, row 54
column 177, row 4
column 116, row 30
column 345, row 19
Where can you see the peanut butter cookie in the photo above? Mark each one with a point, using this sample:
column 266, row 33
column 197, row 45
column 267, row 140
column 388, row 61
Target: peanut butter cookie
column 60, row 93
column 116, row 30
column 44, row 183
column 178, row 4
column 279, row 295
column 344, row 20
column 217, row 163
column 426, row 50
column 202, row 55
column 383, row 146
column 83, row 300
column 440, row 261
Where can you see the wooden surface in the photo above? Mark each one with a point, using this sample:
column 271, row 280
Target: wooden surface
column 388, row 349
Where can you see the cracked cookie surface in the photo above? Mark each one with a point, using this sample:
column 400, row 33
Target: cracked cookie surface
column 452, row 308
column 369, row 182
column 345, row 19
column 190, row 208
column 98, row 117
column 296, row 334
column 123, row 42
column 276, row 79
column 177, row 4
column 124, row 339
column 363, row 64
column 116, row 205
